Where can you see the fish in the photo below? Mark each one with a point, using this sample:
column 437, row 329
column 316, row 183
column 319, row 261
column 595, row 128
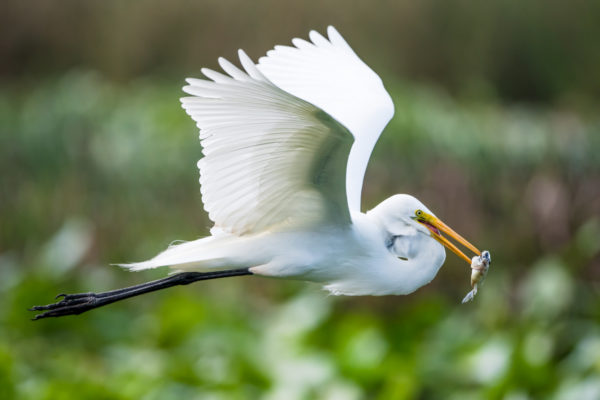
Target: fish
column 480, row 266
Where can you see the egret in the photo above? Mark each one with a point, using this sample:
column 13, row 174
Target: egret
column 285, row 146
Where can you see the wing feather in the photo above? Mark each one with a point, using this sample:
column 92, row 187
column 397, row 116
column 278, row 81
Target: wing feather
column 329, row 74
column 270, row 158
column 214, row 75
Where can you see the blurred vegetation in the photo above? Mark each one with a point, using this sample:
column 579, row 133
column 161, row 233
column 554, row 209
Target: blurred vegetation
column 536, row 50
column 496, row 130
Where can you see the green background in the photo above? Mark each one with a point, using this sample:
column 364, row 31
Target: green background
column 496, row 129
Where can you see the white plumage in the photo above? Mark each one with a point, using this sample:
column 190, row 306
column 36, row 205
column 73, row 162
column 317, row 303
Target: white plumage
column 328, row 74
column 286, row 144
column 269, row 157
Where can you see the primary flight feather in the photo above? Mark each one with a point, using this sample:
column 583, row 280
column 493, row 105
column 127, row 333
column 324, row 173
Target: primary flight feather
column 285, row 144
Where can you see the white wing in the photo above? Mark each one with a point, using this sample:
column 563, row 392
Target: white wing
column 328, row 74
column 270, row 158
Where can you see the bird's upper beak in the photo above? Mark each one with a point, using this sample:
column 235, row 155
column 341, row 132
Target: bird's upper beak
column 437, row 227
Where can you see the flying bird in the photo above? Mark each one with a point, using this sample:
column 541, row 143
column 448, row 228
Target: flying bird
column 285, row 146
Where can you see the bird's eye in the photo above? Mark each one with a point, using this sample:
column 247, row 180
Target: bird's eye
column 418, row 213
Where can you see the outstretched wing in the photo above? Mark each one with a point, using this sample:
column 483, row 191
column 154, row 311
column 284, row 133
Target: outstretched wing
column 270, row 158
column 328, row 74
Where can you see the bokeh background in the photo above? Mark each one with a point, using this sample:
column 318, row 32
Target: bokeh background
column 496, row 129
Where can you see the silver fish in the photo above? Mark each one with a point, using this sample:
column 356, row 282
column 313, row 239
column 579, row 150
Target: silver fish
column 479, row 269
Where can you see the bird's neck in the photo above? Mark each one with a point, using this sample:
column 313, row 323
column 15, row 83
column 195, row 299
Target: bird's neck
column 375, row 270
column 419, row 270
column 423, row 259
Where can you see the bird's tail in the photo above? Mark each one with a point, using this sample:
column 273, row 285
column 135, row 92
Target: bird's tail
column 203, row 254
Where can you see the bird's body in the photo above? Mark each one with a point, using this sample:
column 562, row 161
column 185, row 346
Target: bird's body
column 286, row 144
column 361, row 258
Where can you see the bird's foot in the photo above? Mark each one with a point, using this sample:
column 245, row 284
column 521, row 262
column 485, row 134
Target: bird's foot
column 72, row 304
column 69, row 305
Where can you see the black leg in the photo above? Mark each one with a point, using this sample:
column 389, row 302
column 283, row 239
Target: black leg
column 82, row 302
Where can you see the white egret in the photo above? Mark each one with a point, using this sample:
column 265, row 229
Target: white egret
column 286, row 143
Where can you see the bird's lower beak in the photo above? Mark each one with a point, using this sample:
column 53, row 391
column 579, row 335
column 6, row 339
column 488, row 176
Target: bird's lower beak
column 437, row 227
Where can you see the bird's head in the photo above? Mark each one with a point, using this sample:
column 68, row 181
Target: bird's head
column 403, row 214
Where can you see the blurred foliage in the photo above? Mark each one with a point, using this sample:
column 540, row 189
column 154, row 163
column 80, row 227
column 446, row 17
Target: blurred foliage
column 104, row 173
column 98, row 166
column 533, row 50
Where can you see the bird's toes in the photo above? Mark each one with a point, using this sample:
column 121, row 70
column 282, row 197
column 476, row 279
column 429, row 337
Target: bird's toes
column 76, row 296
column 70, row 304
column 47, row 306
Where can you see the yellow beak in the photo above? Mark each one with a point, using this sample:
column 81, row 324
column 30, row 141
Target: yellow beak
column 437, row 227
